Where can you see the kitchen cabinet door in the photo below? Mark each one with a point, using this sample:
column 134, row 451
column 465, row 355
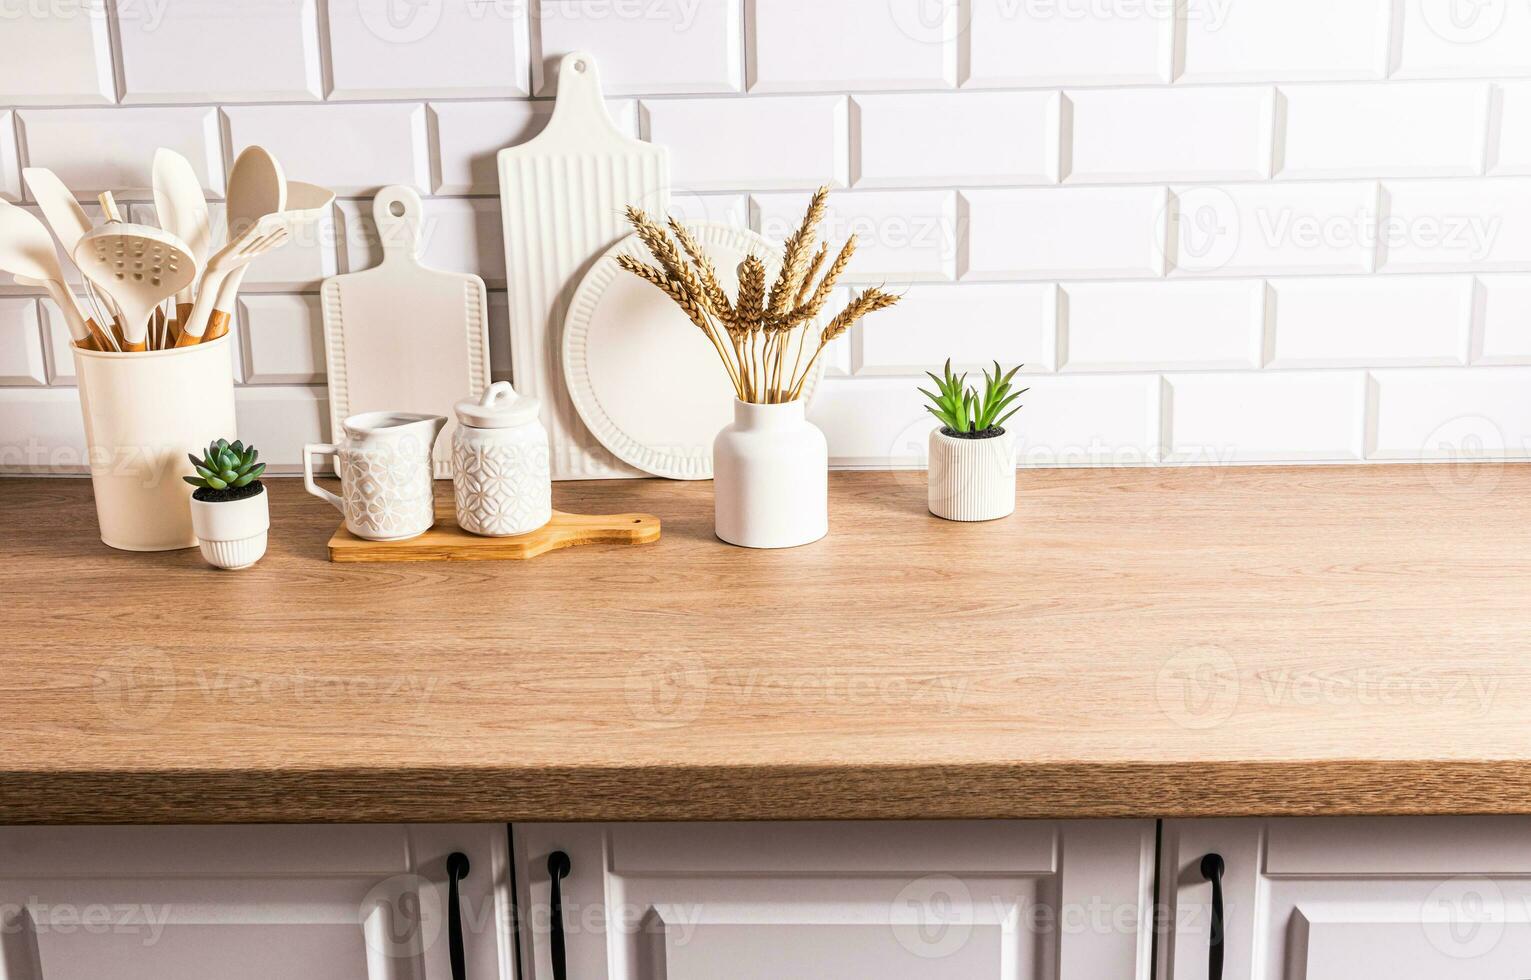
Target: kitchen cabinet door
column 935, row 900
column 250, row 902
column 1405, row 898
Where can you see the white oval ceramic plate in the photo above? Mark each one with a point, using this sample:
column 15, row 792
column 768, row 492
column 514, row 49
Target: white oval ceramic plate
column 642, row 376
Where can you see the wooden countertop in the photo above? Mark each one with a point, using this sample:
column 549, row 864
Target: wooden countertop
column 1171, row 642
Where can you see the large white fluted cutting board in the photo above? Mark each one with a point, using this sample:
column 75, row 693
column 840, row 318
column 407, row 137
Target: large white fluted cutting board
column 562, row 195
column 403, row 337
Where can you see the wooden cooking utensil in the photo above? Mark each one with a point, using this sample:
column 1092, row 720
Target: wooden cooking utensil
column 27, row 251
column 257, row 188
column 139, row 267
column 256, row 241
column 68, row 221
column 182, row 211
column 306, row 206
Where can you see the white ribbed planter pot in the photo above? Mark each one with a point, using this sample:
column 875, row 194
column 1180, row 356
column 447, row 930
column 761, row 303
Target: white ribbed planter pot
column 972, row 479
column 770, row 478
column 232, row 533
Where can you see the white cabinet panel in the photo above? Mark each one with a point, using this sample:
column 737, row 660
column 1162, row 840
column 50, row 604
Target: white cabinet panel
column 299, row 902
column 759, row 901
column 1406, row 898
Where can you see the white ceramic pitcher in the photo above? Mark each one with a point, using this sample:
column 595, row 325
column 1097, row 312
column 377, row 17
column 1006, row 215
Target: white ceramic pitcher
column 386, row 487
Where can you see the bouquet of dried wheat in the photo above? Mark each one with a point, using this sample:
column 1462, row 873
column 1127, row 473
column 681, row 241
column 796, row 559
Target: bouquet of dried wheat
column 763, row 336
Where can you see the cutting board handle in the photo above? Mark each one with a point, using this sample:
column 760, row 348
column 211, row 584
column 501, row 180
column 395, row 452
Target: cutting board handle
column 396, row 211
column 579, row 103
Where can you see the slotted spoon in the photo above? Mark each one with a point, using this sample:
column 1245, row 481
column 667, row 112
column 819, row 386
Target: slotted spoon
column 139, row 267
column 257, row 240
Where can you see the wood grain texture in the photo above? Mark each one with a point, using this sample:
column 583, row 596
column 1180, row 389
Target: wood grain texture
column 1133, row 642
column 449, row 542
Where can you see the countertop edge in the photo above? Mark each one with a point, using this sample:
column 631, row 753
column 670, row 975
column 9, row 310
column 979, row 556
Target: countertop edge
column 1062, row 790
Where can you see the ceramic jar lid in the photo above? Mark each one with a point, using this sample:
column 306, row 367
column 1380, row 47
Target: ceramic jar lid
column 500, row 407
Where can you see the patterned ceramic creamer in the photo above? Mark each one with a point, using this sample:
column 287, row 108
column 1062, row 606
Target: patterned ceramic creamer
column 500, row 471
column 385, row 474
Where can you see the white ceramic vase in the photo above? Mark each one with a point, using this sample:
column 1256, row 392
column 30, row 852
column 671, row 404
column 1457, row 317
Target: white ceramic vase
column 144, row 412
column 972, row 479
column 232, row 533
column 770, row 478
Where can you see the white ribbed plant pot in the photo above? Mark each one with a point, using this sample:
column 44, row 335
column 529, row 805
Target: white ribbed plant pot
column 232, row 533
column 770, row 477
column 972, row 479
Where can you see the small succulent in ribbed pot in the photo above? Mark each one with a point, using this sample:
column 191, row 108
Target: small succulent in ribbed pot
column 972, row 454
column 228, row 509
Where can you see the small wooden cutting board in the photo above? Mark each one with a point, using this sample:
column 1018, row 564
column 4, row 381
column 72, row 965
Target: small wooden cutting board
column 448, row 542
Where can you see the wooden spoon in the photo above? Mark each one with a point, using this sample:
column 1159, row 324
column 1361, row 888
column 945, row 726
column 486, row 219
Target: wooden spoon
column 257, row 188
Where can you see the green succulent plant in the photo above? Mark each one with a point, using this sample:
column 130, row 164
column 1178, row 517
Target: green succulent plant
column 226, row 466
column 964, row 410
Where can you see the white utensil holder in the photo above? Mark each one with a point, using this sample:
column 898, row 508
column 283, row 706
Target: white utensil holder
column 143, row 413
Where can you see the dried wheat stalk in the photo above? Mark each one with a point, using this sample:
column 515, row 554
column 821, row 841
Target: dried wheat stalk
column 755, row 333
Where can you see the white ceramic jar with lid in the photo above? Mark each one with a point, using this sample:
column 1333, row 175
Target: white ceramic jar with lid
column 500, row 475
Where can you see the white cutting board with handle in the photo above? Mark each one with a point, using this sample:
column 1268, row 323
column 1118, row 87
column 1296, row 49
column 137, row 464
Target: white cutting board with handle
column 562, row 195
column 400, row 336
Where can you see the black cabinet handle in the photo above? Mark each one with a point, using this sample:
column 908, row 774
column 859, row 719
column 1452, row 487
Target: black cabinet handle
column 1212, row 870
column 558, row 869
column 457, row 870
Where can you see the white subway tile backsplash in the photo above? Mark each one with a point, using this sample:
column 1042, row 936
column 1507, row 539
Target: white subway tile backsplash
column 1161, row 325
column 283, row 339
column 1170, row 134
column 216, row 51
column 872, row 421
column 308, row 258
column 810, row 45
column 94, row 150
column 1084, row 232
column 41, row 431
column 1263, row 200
column 728, row 209
column 1471, row 225
column 56, row 54
column 1284, row 40
column 58, row 347
column 966, row 138
column 381, row 49
column 279, row 420
column 653, row 48
column 1429, row 129
column 1510, row 136
column 10, row 165
column 1257, row 417
column 1505, row 320
column 1440, row 38
column 456, row 235
column 1357, row 322
column 1101, row 420
column 1465, row 414
column 383, row 143
column 777, row 143
column 1266, row 229
column 1040, row 44
column 973, row 324
column 1076, row 421
column 901, row 236
column 21, row 350
column 470, row 134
